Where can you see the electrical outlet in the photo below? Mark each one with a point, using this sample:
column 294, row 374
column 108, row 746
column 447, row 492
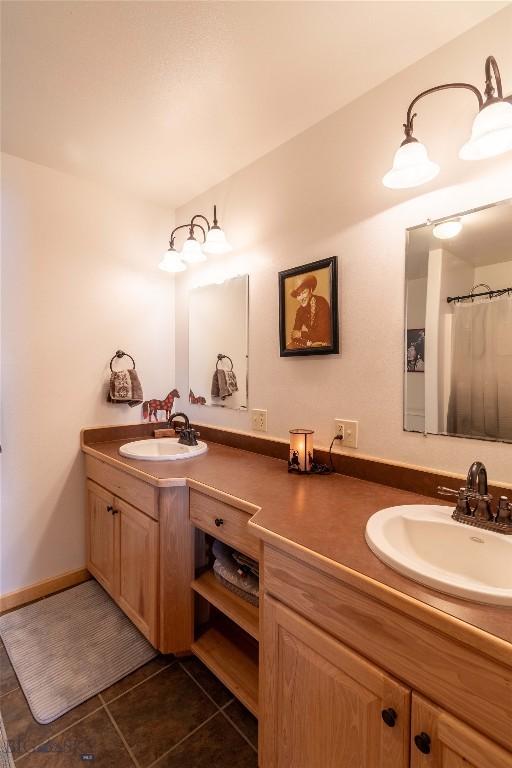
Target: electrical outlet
column 348, row 430
column 259, row 420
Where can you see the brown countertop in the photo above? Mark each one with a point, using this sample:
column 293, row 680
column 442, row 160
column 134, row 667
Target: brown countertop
column 325, row 515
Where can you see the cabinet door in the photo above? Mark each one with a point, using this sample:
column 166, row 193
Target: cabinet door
column 100, row 536
column 137, row 568
column 322, row 704
column 439, row 740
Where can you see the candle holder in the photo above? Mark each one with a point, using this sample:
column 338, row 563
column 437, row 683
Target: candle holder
column 301, row 451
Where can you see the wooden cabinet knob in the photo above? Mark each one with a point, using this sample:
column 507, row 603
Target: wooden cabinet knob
column 389, row 716
column 422, row 741
column 219, row 521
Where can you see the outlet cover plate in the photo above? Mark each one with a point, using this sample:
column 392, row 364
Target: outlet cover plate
column 259, row 420
column 350, row 431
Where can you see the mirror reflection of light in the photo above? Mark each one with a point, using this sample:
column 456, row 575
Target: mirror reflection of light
column 447, row 229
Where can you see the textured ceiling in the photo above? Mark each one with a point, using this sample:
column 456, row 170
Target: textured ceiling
column 165, row 99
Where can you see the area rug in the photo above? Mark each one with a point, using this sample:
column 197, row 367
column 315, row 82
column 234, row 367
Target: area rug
column 6, row 758
column 69, row 647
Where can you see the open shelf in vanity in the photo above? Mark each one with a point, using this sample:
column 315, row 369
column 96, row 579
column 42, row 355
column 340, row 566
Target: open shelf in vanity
column 238, row 610
column 232, row 655
column 226, row 625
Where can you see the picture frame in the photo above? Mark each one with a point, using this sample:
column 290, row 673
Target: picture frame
column 308, row 309
column 415, row 350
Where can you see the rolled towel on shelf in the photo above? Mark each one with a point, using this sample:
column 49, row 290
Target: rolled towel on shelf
column 236, row 572
column 222, row 552
column 247, row 564
column 245, row 586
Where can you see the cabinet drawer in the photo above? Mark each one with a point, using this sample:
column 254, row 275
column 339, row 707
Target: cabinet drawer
column 224, row 522
column 142, row 495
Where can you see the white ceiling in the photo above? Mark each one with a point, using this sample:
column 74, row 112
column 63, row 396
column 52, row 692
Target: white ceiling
column 165, row 99
column 486, row 238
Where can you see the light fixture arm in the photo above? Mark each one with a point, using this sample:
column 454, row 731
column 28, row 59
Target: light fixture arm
column 193, row 225
column 408, row 125
column 491, row 70
column 200, row 216
column 181, row 226
column 492, row 64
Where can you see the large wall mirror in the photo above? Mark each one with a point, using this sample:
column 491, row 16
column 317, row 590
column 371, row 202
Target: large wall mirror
column 218, row 344
column 458, row 338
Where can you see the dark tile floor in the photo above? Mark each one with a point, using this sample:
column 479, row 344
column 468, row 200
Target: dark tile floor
column 171, row 713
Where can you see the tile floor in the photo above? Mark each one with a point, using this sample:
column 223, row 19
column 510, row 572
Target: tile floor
column 171, row 713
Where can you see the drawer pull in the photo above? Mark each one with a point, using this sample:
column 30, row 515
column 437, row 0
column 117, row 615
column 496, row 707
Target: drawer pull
column 389, row 716
column 219, row 521
column 111, row 509
column 422, row 741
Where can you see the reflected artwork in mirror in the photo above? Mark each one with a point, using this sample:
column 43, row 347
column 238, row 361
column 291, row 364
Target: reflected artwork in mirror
column 218, row 344
column 458, row 325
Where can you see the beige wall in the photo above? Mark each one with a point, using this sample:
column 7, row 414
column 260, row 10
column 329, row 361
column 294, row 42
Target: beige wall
column 321, row 194
column 80, row 280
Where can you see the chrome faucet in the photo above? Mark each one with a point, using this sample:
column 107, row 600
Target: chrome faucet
column 474, row 502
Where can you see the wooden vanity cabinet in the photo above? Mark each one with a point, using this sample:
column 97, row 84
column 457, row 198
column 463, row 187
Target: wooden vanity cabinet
column 439, row 740
column 122, row 554
column 137, row 565
column 324, row 705
column 100, row 536
column 335, row 661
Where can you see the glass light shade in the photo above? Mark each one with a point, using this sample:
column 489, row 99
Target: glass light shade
column 491, row 133
column 171, row 262
column 216, row 242
column 411, row 167
column 447, row 229
column 192, row 252
column 301, row 450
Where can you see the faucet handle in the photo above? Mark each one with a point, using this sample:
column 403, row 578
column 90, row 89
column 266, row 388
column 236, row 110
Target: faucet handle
column 462, row 507
column 504, row 511
column 442, row 491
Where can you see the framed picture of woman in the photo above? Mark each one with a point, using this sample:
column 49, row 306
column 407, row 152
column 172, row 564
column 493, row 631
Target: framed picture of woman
column 308, row 309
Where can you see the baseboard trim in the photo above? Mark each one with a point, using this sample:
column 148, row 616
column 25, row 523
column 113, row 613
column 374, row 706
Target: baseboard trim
column 44, row 588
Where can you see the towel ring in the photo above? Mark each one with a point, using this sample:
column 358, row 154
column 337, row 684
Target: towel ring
column 223, row 357
column 120, row 354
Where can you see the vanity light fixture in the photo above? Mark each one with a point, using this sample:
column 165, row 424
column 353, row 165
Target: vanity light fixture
column 445, row 230
column 171, row 261
column 193, row 252
column 491, row 133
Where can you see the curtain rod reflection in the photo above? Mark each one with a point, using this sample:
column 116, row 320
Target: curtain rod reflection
column 490, row 293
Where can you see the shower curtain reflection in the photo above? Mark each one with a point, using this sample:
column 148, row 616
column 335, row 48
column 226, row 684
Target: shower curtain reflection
column 480, row 402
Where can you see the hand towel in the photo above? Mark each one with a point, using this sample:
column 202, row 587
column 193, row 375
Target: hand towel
column 125, row 387
column 224, row 383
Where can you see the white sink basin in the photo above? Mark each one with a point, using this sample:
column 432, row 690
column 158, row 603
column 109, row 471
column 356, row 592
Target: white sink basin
column 425, row 544
column 161, row 449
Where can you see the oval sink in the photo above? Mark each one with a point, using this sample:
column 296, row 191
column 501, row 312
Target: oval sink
column 425, row 544
column 161, row 449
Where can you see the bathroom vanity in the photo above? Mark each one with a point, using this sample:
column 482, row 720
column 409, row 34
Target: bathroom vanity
column 346, row 662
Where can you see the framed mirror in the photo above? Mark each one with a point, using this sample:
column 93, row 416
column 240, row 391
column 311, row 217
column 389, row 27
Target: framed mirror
column 458, row 325
column 218, row 344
